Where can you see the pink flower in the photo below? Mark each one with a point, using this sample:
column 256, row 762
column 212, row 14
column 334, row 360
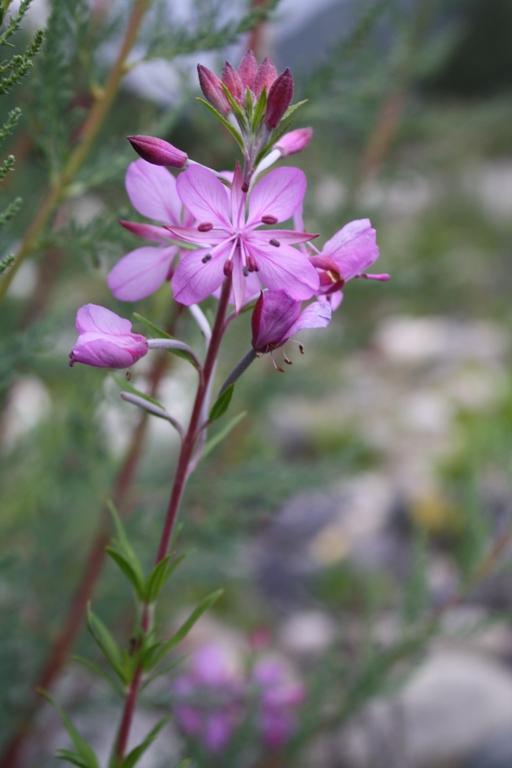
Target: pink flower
column 249, row 76
column 105, row 340
column 152, row 192
column 294, row 141
column 277, row 317
column 279, row 697
column 158, row 152
column 229, row 242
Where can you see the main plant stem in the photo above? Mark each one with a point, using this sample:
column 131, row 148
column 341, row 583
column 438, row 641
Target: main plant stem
column 180, row 480
column 89, row 131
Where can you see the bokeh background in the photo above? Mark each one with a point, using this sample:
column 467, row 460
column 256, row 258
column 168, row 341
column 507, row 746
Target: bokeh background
column 359, row 516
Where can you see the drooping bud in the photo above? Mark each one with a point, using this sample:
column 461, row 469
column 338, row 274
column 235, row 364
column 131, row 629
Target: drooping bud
column 248, row 69
column 265, row 76
column 158, row 152
column 294, row 141
column 106, row 340
column 279, row 99
column 211, row 87
column 231, row 80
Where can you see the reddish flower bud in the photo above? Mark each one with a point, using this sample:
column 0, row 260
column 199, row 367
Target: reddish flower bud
column 211, row 87
column 158, row 151
column 231, row 80
column 265, row 76
column 248, row 70
column 294, row 141
column 279, row 99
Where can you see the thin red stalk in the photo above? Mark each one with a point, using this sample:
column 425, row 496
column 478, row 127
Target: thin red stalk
column 180, row 479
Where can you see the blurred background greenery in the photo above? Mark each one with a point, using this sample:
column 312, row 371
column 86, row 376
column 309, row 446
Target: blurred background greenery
column 359, row 516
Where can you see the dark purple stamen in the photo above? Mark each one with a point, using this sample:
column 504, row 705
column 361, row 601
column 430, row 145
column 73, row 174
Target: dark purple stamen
column 269, row 219
column 245, row 187
column 246, row 271
column 275, row 242
column 228, row 268
column 206, row 258
column 205, row 226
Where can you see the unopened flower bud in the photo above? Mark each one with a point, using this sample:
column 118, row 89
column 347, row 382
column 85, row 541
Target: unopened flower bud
column 294, row 141
column 158, row 151
column 279, row 99
column 211, row 87
column 231, row 80
column 248, row 70
column 106, row 340
column 265, row 77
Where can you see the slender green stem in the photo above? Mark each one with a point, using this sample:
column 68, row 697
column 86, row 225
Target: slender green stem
column 89, row 132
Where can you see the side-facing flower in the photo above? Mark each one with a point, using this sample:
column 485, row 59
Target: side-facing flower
column 348, row 254
column 106, row 340
column 277, row 316
column 229, row 243
column 152, row 192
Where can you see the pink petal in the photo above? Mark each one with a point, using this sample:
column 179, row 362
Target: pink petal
column 279, row 194
column 316, row 315
column 248, row 69
column 95, row 319
column 204, row 196
column 148, row 231
column 152, row 191
column 101, row 353
column 141, row 272
column 194, row 236
column 264, row 236
column 193, row 281
column 353, row 248
column 289, row 271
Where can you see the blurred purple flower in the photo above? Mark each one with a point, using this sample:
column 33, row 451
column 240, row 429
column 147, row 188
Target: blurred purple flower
column 212, row 700
column 152, row 192
column 230, row 244
column 105, row 340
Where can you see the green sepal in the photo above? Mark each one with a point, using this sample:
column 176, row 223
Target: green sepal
column 108, row 646
column 259, row 110
column 219, row 437
column 234, row 106
column 156, row 652
column 133, row 757
column 224, row 122
column 95, row 668
column 159, row 575
column 127, row 387
column 84, row 752
column 124, row 555
column 249, row 104
column 221, row 405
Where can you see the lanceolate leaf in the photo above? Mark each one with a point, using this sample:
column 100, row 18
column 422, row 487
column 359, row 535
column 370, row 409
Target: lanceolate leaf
column 221, row 405
column 224, row 122
column 219, row 437
column 107, row 644
column 151, row 328
column 159, row 576
column 84, row 752
column 94, row 668
column 133, row 757
column 128, row 570
column 124, row 554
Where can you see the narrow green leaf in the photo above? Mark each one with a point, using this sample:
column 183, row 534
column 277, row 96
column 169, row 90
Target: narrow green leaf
column 159, row 575
column 123, row 543
column 249, row 104
column 162, row 671
column 84, row 751
column 157, row 652
column 133, row 757
column 151, row 328
column 234, row 106
column 221, row 405
column 260, row 109
column 292, row 109
column 95, row 668
column 107, row 644
column 224, row 122
column 73, row 758
column 126, row 567
column 219, row 437
column 127, row 387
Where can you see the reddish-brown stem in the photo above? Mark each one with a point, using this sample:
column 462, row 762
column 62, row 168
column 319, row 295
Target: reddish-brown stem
column 180, row 479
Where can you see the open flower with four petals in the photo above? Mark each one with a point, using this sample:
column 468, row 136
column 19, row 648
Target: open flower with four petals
column 228, row 239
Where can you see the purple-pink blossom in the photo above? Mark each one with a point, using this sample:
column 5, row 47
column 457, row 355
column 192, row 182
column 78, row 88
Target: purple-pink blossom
column 152, row 192
column 229, row 242
column 105, row 340
column 277, row 316
column 212, row 699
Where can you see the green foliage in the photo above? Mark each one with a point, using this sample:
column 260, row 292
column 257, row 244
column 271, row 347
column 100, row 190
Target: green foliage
column 221, row 405
column 132, row 758
column 84, row 757
column 222, row 434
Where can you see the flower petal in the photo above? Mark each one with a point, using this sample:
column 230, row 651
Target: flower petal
column 316, row 315
column 353, row 248
column 152, row 191
column 141, row 272
column 279, row 194
column 95, row 319
column 289, row 271
column 194, row 280
column 148, row 231
column 204, row 196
